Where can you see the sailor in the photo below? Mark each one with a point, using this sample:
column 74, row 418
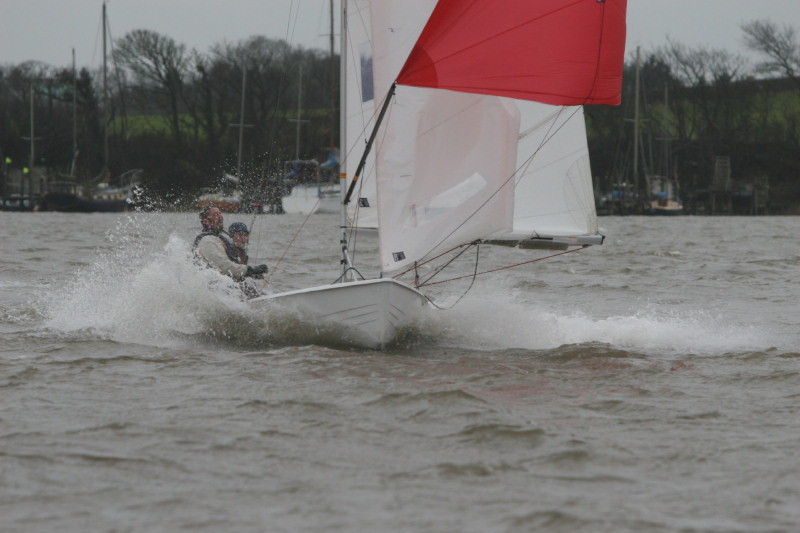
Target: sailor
column 240, row 236
column 217, row 249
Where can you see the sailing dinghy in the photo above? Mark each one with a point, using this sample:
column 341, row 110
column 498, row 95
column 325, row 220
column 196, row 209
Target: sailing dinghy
column 479, row 138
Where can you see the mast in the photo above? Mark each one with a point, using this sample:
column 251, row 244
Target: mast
column 104, row 172
column 333, row 80
column 33, row 146
column 636, row 132
column 666, row 131
column 299, row 109
column 241, row 126
column 346, row 264
column 32, row 162
column 74, row 117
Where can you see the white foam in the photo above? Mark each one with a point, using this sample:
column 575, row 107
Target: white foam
column 151, row 293
column 132, row 295
column 499, row 322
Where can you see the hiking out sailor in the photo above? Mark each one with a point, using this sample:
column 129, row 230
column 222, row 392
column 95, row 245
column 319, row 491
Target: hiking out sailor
column 218, row 251
column 240, row 236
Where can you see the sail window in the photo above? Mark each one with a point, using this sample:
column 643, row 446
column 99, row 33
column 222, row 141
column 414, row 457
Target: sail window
column 367, row 87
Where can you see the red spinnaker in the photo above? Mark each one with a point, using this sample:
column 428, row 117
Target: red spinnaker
column 559, row 52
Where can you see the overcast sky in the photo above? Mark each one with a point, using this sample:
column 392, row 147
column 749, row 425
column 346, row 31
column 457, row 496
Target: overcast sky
column 48, row 30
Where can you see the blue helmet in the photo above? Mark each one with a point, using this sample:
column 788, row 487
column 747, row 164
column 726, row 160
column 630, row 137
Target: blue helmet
column 237, row 227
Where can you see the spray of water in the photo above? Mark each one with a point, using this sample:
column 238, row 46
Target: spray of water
column 154, row 293
column 496, row 321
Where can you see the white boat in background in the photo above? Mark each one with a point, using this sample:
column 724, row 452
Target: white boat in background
column 310, row 199
column 308, row 192
column 484, row 141
column 664, row 197
column 226, row 197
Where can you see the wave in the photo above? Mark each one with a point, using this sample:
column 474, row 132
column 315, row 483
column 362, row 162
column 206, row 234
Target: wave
column 497, row 321
column 155, row 294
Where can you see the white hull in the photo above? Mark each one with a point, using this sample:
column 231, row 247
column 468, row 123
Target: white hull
column 307, row 199
column 669, row 207
column 368, row 313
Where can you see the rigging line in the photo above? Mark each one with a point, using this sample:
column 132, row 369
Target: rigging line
column 511, row 266
column 289, row 25
column 272, row 134
column 308, row 216
column 474, row 275
column 441, row 268
column 354, row 269
column 343, row 160
column 545, row 139
column 403, row 273
column 96, row 41
column 272, row 139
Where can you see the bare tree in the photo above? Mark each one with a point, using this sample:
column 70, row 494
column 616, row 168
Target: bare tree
column 160, row 64
column 712, row 75
column 779, row 45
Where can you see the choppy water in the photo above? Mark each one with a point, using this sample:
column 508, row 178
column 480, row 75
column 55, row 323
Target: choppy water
column 651, row 384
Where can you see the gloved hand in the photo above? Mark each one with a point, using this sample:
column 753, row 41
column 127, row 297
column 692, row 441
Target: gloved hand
column 256, row 271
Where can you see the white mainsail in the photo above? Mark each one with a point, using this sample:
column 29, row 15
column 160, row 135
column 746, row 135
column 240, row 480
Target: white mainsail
column 360, row 104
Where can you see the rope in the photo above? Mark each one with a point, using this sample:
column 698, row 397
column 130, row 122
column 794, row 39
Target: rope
column 266, row 281
column 440, row 269
column 474, row 275
column 401, row 274
column 507, row 267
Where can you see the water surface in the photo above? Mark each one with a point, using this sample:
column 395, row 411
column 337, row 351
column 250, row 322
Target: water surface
column 650, row 384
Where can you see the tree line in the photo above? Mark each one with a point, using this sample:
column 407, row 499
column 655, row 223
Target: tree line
column 175, row 113
column 698, row 104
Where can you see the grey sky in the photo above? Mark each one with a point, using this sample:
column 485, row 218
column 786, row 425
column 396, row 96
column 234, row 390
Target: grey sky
column 47, row 30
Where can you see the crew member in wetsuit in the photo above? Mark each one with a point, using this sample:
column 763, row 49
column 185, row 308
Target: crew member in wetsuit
column 216, row 248
column 240, row 236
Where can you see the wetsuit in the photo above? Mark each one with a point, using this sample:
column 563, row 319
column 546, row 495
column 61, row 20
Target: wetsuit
column 219, row 253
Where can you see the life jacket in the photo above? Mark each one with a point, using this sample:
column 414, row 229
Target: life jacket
column 230, row 249
column 241, row 255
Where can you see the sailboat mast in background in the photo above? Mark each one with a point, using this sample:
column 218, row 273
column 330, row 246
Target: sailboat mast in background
column 105, row 172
